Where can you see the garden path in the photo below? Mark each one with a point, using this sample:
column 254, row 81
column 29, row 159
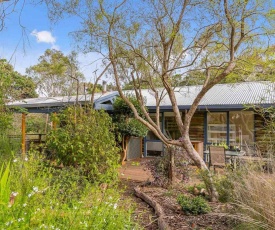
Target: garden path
column 135, row 170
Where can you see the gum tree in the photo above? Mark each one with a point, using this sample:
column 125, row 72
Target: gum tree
column 13, row 86
column 154, row 41
column 56, row 74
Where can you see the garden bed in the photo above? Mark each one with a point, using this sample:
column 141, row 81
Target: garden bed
column 173, row 214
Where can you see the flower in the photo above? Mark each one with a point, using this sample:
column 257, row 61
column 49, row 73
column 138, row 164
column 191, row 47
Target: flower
column 15, row 160
column 24, row 205
column 9, row 223
column 20, row 219
column 35, row 189
column 14, row 194
column 26, row 159
column 29, row 195
column 115, row 205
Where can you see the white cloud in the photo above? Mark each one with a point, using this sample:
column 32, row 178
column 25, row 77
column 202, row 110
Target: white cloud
column 55, row 47
column 43, row 36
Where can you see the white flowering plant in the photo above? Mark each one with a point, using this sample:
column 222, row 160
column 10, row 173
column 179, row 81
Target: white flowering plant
column 43, row 197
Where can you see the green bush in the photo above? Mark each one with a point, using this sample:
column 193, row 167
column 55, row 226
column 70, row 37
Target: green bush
column 193, row 206
column 223, row 184
column 199, row 187
column 8, row 146
column 40, row 199
column 85, row 141
column 224, row 187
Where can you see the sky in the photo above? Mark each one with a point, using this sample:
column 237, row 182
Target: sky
column 22, row 47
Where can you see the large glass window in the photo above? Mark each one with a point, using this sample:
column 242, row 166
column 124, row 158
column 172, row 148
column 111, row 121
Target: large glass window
column 242, row 131
column 239, row 134
column 216, row 128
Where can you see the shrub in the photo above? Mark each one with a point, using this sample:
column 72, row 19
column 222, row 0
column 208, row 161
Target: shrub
column 8, row 146
column 224, row 186
column 40, row 200
column 223, row 183
column 192, row 188
column 193, row 206
column 85, row 141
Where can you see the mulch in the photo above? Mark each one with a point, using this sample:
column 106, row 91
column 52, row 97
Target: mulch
column 167, row 198
column 177, row 219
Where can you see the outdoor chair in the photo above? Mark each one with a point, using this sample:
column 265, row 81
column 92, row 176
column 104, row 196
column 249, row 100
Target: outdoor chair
column 217, row 156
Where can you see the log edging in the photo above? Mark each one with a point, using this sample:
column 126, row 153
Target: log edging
column 155, row 205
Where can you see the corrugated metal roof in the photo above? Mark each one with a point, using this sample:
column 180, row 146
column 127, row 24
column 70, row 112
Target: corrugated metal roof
column 61, row 101
column 220, row 96
column 244, row 93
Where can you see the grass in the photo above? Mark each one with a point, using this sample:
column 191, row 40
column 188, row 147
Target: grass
column 253, row 197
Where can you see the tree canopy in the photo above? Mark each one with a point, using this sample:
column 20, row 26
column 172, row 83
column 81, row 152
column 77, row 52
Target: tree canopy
column 14, row 85
column 123, row 116
column 56, row 74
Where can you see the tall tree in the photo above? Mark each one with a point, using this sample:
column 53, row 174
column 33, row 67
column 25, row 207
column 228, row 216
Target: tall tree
column 56, row 74
column 152, row 40
column 13, row 85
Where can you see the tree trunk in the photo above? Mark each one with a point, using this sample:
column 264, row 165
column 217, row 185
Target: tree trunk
column 125, row 142
column 171, row 175
column 192, row 153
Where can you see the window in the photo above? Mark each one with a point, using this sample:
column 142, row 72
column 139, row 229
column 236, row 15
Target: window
column 243, row 123
column 216, row 128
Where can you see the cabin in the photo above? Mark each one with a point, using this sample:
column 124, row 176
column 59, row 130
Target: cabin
column 225, row 116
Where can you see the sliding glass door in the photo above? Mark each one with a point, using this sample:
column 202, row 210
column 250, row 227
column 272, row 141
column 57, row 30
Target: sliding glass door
column 234, row 129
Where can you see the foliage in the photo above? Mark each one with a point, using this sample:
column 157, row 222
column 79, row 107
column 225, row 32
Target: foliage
column 256, row 65
column 85, row 140
column 122, row 108
column 193, row 206
column 225, row 187
column 223, row 184
column 209, row 179
column 56, row 74
column 4, row 183
column 36, row 123
column 192, row 188
column 38, row 199
column 9, row 146
column 5, row 118
column 132, row 128
column 13, row 84
column 123, row 117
